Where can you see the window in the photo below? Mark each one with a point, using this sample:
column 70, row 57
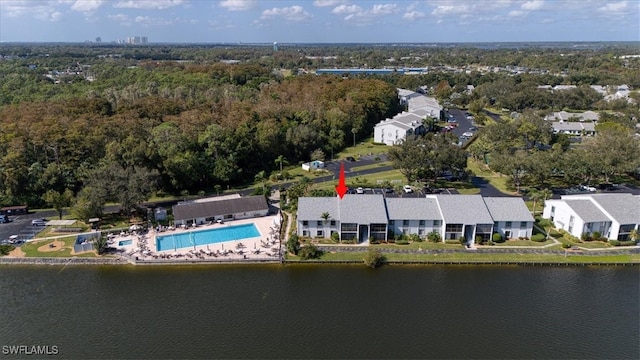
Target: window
column 507, row 224
column 320, row 233
column 319, row 223
column 349, row 227
column 421, row 232
column 405, row 231
column 422, row 222
column 507, row 234
column 523, row 224
column 405, row 222
column 305, row 223
column 333, row 223
column 454, row 228
column 392, row 222
column 305, row 233
column 436, row 223
column 378, row 227
column 553, row 210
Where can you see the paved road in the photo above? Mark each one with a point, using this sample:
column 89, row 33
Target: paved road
column 494, row 116
column 486, row 189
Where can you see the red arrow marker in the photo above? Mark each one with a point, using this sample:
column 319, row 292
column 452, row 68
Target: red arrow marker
column 341, row 188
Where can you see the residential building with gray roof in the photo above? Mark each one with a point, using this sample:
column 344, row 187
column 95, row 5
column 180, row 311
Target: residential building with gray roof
column 614, row 216
column 360, row 217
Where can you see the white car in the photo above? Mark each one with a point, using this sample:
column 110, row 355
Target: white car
column 359, row 190
column 407, row 189
column 468, row 134
column 39, row 222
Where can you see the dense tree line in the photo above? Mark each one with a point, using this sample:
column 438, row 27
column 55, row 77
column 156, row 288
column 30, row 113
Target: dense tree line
column 170, row 119
column 113, row 146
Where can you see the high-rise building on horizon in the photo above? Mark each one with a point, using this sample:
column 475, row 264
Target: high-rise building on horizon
column 137, row 40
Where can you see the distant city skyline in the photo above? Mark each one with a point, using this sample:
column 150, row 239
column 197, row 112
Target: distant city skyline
column 319, row 21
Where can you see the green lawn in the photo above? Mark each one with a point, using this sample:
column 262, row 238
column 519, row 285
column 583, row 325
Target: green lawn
column 524, row 243
column 501, row 182
column 361, row 149
column 31, row 248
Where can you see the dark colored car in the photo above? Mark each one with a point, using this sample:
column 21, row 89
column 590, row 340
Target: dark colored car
column 350, row 158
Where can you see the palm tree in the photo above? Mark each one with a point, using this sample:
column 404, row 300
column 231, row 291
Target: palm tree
column 325, row 216
column 354, row 131
column 535, row 195
column 281, row 160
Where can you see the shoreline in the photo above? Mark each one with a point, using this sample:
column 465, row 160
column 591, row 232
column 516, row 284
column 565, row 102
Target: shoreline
column 64, row 261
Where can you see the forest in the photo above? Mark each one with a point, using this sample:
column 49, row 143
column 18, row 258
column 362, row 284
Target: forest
column 113, row 123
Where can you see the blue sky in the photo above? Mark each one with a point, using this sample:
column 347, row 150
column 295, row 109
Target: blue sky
column 320, row 21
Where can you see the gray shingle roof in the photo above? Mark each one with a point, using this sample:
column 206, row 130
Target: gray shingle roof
column 587, row 210
column 363, row 208
column 463, row 209
column 222, row 207
column 311, row 208
column 623, row 207
column 413, row 209
column 508, row 209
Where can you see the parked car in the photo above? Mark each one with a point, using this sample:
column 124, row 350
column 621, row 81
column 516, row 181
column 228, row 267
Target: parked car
column 473, row 128
column 468, row 134
column 350, row 158
column 451, row 120
column 39, row 222
column 388, row 190
column 407, row 189
column 587, row 188
column 4, row 219
column 359, row 190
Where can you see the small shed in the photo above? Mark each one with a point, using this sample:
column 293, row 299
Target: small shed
column 313, row 165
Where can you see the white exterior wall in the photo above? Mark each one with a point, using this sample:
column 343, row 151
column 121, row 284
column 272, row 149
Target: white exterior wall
column 515, row 229
column 413, row 227
column 381, row 134
column 562, row 217
column 599, row 226
column 313, row 227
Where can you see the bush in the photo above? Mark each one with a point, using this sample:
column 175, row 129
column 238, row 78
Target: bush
column 622, row 242
column 309, row 252
column 538, row 238
column 293, row 246
column 374, row 259
column 497, row 238
column 402, row 241
column 434, row 236
column 6, row 249
column 415, row 238
column 566, row 246
column 335, row 236
column 596, row 235
column 544, row 223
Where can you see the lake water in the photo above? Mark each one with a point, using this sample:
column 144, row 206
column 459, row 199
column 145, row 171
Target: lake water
column 322, row 311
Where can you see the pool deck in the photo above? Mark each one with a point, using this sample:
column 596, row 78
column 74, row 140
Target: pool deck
column 266, row 246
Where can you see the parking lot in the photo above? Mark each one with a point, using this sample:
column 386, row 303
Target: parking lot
column 415, row 193
column 20, row 228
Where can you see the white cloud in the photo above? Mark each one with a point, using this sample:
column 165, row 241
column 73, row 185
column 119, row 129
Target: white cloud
column 385, row 9
column 614, row 8
column 413, row 15
column 151, row 21
column 119, row 18
column 516, row 13
column 148, row 4
column 346, row 9
column 238, row 5
column 86, row 6
column 532, row 5
column 367, row 17
column 324, row 3
column 293, row 13
column 444, row 10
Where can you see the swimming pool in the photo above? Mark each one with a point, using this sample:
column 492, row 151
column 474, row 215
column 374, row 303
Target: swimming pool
column 204, row 237
column 125, row 242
